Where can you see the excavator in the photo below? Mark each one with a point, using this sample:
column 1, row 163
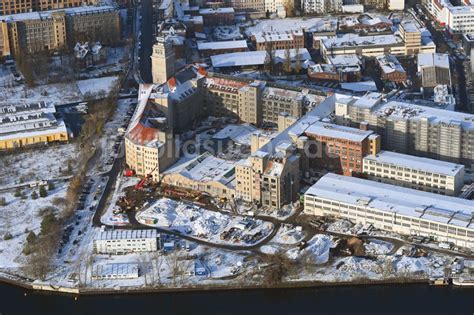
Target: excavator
column 145, row 179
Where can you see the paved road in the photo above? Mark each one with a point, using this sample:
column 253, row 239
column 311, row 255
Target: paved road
column 146, row 40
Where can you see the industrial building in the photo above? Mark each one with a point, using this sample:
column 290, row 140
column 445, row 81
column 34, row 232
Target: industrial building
column 26, row 124
column 393, row 208
column 119, row 242
column 415, row 172
column 412, row 129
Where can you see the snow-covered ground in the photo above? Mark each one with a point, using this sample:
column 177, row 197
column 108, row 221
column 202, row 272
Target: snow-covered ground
column 21, row 215
column 59, row 93
column 45, row 163
column 96, row 86
column 317, row 250
column 377, row 247
column 204, row 224
column 288, row 234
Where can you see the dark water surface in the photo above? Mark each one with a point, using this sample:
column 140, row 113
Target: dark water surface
column 397, row 299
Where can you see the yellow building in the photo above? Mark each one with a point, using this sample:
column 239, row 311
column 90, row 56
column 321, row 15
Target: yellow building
column 29, row 33
column 150, row 146
column 24, row 6
column 27, row 124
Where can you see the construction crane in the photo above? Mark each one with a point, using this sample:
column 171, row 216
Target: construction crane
column 145, row 179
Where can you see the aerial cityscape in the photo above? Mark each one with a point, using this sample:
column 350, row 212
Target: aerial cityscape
column 152, row 146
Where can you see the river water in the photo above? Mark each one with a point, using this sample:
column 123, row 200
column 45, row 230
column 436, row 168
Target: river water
column 396, row 299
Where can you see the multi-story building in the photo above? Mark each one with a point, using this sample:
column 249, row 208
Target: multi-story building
column 162, row 61
column 458, row 19
column 415, row 172
column 252, row 101
column 8, row 7
column 207, row 49
column 408, row 128
column 340, row 149
column 434, row 69
column 179, row 101
column 248, row 6
column 278, row 100
column 269, row 179
column 391, row 68
column 279, row 40
column 27, row 124
column 29, row 33
column 217, row 17
column 321, row 6
column 93, row 24
column 372, row 46
column 393, row 208
column 150, row 145
column 119, row 242
column 411, row 34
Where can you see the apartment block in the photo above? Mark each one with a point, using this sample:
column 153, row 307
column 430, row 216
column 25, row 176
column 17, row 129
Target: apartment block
column 119, row 242
column 393, row 208
column 279, row 40
column 276, row 101
column 413, row 129
column 322, row 6
column 8, row 7
column 415, row 172
column 269, row 179
column 217, row 17
column 373, row 46
column 340, row 149
column 29, row 33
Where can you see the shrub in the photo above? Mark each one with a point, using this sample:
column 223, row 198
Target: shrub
column 43, row 192
column 8, row 236
column 34, row 195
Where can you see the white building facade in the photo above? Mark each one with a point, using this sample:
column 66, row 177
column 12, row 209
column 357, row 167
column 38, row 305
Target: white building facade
column 125, row 241
column 392, row 208
column 415, row 172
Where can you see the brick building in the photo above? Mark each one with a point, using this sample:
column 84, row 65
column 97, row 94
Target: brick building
column 391, row 68
column 340, row 149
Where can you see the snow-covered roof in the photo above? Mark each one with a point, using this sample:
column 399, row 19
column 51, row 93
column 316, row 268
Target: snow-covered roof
column 125, row 235
column 389, row 63
column 273, row 93
column 239, row 59
column 337, row 131
column 433, row 60
column 345, row 60
column 257, row 58
column 28, row 120
column 230, row 44
column 362, row 86
column 240, row 134
column 283, row 25
column 354, row 40
column 206, row 168
column 216, row 11
column 129, row 270
column 402, row 110
column 410, row 26
column 417, row 163
column 394, row 199
column 48, row 14
column 302, row 54
column 277, row 36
